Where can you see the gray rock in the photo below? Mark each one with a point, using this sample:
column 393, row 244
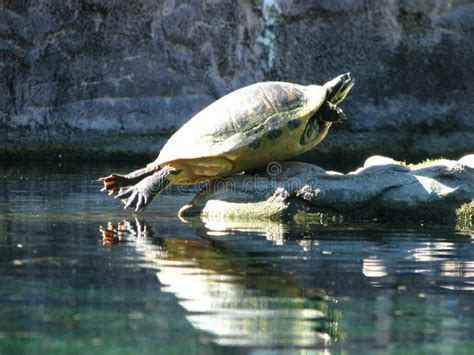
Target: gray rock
column 76, row 74
column 381, row 189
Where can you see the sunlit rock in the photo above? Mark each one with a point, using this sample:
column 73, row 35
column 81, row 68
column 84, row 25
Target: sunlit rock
column 381, row 189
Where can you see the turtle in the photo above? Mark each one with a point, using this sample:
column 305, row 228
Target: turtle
column 242, row 131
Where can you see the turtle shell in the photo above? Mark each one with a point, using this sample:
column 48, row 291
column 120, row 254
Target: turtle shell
column 238, row 118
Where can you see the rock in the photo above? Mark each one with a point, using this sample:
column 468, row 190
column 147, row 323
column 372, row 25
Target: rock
column 74, row 75
column 467, row 160
column 382, row 190
column 379, row 160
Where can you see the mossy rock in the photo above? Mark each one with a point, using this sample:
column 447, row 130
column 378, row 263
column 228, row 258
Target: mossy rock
column 465, row 216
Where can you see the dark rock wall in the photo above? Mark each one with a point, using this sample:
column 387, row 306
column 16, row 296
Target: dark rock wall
column 104, row 78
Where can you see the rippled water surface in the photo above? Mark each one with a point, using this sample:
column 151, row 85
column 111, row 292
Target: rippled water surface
column 80, row 275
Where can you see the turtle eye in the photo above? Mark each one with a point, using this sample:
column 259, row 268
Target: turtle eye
column 346, row 77
column 341, row 88
column 334, row 92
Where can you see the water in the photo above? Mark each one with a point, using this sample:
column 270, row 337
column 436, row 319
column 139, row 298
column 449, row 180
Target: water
column 80, row 275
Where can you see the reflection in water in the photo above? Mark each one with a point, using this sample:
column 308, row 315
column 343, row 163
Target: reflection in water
column 373, row 267
column 272, row 231
column 394, row 290
column 260, row 284
column 239, row 300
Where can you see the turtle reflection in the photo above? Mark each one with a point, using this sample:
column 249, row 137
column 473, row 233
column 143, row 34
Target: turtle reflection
column 237, row 298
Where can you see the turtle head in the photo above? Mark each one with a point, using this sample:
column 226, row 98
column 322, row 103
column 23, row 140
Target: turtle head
column 338, row 88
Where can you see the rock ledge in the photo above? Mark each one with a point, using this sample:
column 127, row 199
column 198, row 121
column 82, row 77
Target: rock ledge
column 382, row 189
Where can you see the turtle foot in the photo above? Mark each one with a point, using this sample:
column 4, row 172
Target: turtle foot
column 134, row 197
column 113, row 183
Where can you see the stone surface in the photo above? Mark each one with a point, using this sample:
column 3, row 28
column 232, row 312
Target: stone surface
column 382, row 188
column 118, row 77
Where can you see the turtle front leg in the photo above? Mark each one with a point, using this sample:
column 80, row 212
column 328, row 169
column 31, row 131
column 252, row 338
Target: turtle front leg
column 329, row 112
column 139, row 196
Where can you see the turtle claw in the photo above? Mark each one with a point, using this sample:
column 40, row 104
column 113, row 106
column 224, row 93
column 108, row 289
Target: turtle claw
column 139, row 203
column 113, row 183
column 131, row 201
column 341, row 116
column 133, row 198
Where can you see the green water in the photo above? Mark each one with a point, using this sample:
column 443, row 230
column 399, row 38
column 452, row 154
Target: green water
column 80, row 275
